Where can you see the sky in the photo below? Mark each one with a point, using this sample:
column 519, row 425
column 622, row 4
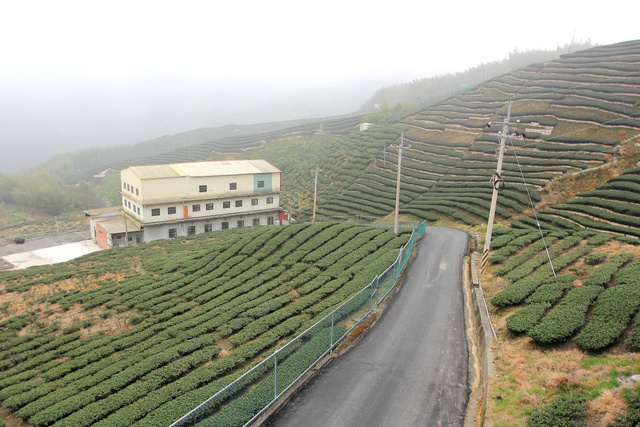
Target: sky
column 78, row 74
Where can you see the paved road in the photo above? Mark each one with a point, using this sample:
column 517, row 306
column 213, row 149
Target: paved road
column 44, row 242
column 410, row 369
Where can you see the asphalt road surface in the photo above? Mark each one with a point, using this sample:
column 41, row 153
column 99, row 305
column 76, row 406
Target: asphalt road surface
column 410, row 369
column 44, row 242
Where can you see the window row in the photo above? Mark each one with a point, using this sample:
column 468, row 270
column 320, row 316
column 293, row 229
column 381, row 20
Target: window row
column 130, row 188
column 209, row 206
column 232, row 186
column 191, row 229
column 134, row 208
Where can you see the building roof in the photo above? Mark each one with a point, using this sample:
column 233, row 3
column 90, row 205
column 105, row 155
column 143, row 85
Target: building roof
column 100, row 212
column 117, row 225
column 218, row 168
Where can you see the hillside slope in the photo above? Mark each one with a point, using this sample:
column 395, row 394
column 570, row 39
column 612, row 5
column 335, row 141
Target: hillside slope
column 578, row 112
column 147, row 333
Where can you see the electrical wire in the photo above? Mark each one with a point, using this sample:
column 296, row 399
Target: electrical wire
column 534, row 210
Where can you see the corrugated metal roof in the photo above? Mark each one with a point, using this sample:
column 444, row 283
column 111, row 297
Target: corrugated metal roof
column 115, row 226
column 154, row 172
column 218, row 168
column 113, row 210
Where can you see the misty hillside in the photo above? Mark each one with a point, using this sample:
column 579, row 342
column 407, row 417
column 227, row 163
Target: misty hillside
column 562, row 283
column 576, row 112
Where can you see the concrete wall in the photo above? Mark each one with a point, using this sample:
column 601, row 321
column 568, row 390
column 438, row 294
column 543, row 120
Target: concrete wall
column 482, row 335
column 161, row 231
column 102, row 237
column 203, row 212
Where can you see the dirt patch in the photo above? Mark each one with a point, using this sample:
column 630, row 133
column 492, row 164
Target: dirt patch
column 10, row 419
column 353, row 336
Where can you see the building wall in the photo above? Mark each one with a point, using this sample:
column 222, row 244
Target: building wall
column 102, row 237
column 161, row 231
column 188, row 188
column 158, row 190
column 218, row 208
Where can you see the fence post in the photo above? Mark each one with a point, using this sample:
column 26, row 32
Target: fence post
column 331, row 348
column 275, row 375
column 372, row 293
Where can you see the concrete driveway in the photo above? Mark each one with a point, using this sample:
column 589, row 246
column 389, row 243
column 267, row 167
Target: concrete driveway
column 411, row 368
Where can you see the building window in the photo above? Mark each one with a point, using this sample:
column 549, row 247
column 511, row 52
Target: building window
column 256, row 222
column 208, row 228
column 173, row 232
column 124, row 185
column 171, row 210
column 240, row 223
column 269, row 200
column 225, row 225
column 195, row 208
column 233, row 186
column 138, row 208
column 202, row 188
column 128, row 188
column 191, row 230
column 269, row 220
column 226, row 205
column 209, row 206
column 238, row 203
column 260, row 184
column 137, row 194
column 155, row 212
column 254, row 202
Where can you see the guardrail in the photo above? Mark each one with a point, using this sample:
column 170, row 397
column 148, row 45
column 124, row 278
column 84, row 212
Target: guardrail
column 249, row 396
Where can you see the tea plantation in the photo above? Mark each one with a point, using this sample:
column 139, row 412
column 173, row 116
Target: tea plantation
column 161, row 327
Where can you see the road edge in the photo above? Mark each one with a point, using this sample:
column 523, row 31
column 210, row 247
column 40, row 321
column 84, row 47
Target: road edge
column 347, row 344
column 480, row 337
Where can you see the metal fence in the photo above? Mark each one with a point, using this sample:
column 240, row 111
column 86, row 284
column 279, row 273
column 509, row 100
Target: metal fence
column 248, row 397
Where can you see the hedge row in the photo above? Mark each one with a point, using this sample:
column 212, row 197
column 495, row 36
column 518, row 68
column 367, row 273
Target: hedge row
column 611, row 315
column 602, row 275
column 567, row 317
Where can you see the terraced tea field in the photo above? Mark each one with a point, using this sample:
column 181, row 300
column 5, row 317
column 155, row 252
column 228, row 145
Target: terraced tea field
column 144, row 334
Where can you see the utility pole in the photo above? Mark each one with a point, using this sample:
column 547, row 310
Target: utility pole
column 315, row 191
column 498, row 184
column 400, row 148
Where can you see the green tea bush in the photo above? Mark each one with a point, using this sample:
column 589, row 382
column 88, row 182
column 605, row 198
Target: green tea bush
column 566, row 317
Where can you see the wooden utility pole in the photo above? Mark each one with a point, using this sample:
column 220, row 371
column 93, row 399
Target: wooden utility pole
column 498, row 184
column 315, row 191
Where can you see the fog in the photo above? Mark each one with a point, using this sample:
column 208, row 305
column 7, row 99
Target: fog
column 77, row 74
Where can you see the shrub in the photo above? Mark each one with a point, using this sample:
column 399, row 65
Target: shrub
column 611, row 315
column 526, row 318
column 552, row 289
column 567, row 411
column 595, row 258
column 567, row 317
column 602, row 275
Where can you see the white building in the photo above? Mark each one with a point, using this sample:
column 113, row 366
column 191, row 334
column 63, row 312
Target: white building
column 180, row 199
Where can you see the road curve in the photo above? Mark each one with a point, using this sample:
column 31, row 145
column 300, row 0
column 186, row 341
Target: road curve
column 410, row 369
